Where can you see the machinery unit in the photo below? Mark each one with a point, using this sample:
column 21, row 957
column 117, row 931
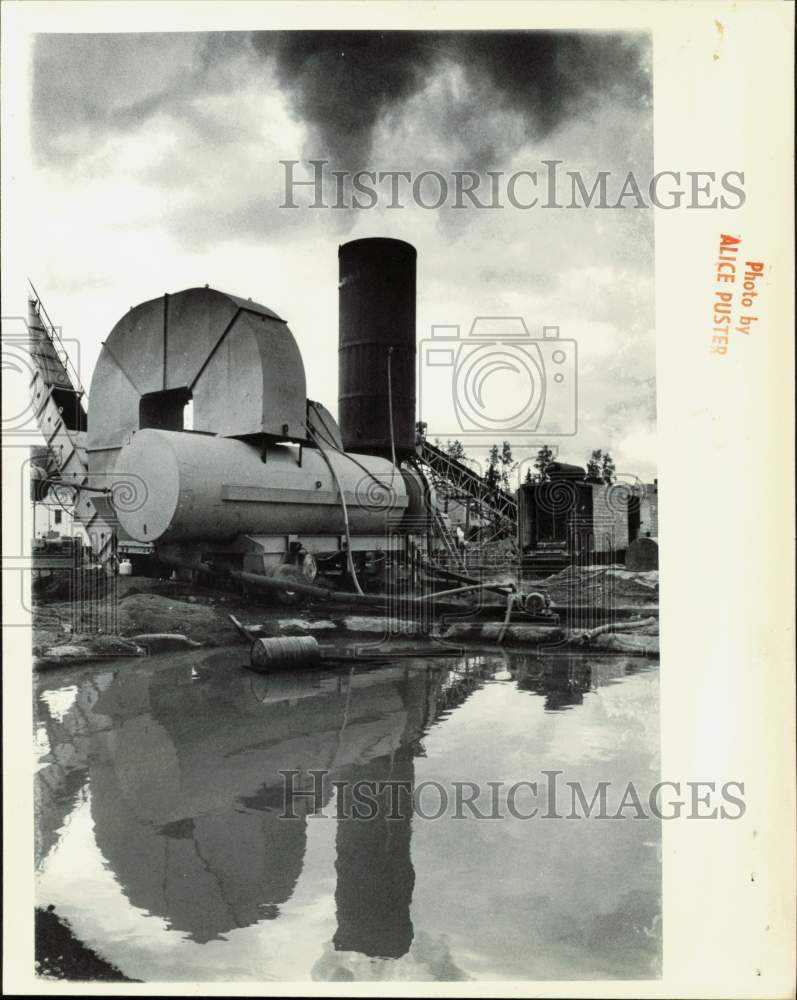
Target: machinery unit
column 577, row 516
column 201, row 450
column 260, row 477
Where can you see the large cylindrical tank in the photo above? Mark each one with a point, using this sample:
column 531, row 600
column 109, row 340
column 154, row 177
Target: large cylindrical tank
column 376, row 313
column 172, row 486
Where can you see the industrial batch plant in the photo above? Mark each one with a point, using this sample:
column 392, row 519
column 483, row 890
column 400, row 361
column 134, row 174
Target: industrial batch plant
column 262, row 480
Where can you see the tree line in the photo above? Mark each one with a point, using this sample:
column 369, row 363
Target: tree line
column 501, row 465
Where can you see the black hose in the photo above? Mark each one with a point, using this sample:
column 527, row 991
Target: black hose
column 373, row 600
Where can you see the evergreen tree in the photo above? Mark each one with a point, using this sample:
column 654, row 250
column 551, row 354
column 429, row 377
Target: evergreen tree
column 595, row 466
column 541, row 463
column 492, row 476
column 607, row 469
column 508, row 466
column 600, row 467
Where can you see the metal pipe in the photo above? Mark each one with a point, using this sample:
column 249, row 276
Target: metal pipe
column 275, row 583
column 450, row 593
column 495, row 588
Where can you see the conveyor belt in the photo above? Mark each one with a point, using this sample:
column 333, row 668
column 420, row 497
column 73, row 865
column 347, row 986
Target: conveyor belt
column 453, row 477
column 58, row 401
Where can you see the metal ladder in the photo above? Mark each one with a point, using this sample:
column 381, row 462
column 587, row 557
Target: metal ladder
column 58, row 401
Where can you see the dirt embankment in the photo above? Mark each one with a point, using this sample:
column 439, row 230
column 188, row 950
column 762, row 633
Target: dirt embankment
column 140, row 616
column 61, row 955
column 605, row 586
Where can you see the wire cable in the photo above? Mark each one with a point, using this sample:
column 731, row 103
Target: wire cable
column 349, row 556
column 390, row 406
column 312, row 432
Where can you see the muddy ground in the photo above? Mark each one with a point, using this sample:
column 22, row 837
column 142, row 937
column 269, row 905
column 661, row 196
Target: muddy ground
column 140, row 615
column 66, row 630
column 59, row 954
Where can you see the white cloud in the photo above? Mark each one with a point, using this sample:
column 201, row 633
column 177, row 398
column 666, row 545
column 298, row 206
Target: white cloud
column 175, row 181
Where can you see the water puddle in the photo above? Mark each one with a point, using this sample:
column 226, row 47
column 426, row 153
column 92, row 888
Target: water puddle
column 165, row 841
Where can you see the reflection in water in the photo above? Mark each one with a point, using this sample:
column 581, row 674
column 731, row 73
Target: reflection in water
column 375, row 877
column 562, row 683
column 180, row 763
column 186, row 792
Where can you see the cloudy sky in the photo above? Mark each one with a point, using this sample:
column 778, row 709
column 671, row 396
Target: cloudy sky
column 157, row 168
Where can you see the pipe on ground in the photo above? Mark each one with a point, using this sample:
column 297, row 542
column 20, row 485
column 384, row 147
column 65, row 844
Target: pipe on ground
column 343, row 596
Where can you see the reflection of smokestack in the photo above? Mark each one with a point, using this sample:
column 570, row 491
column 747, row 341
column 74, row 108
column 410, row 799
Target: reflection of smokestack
column 374, row 867
column 376, row 300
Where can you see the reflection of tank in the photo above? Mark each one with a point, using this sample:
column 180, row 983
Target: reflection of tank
column 187, row 791
column 205, row 875
column 183, row 765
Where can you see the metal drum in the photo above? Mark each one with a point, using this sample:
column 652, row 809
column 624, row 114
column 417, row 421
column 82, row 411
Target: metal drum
column 289, row 653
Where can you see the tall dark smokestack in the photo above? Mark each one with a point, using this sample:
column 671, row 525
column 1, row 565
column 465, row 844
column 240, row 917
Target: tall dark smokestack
column 377, row 337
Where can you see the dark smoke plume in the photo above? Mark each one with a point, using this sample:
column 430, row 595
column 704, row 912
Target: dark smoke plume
column 342, row 83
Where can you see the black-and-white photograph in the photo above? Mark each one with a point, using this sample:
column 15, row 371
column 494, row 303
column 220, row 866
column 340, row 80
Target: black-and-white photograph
column 342, row 501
